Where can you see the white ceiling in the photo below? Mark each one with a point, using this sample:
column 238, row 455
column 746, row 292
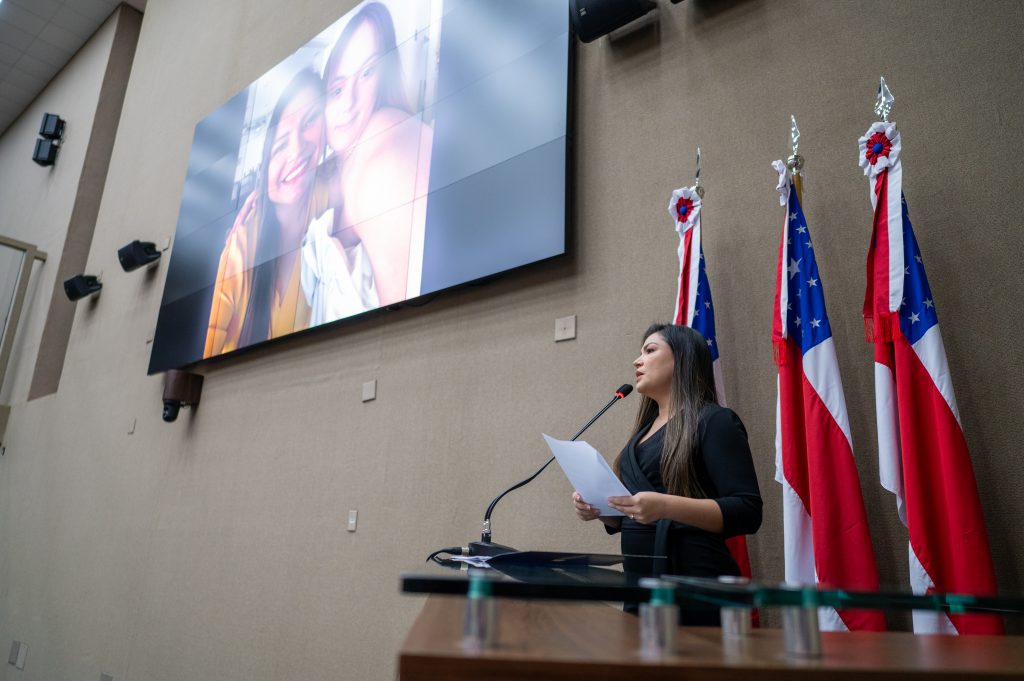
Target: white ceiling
column 37, row 38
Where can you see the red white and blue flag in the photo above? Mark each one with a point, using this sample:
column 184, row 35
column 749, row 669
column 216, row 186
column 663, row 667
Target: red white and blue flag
column 923, row 456
column 826, row 535
column 695, row 309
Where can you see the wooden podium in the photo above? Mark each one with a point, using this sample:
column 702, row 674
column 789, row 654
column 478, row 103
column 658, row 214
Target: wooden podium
column 557, row 640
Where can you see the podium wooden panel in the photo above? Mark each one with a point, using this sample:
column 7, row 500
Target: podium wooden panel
column 549, row 640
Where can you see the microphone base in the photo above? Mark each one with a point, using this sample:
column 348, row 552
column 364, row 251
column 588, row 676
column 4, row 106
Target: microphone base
column 486, row 548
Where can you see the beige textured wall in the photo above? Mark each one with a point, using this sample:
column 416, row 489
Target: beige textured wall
column 216, row 548
column 60, row 315
column 36, row 202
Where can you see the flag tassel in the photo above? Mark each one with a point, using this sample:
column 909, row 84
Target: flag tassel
column 881, row 328
column 779, row 351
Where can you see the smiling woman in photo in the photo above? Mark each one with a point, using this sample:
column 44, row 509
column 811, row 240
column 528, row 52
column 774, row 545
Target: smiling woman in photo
column 257, row 294
column 357, row 256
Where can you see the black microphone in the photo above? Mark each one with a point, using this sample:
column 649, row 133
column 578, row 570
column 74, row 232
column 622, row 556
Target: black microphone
column 485, row 547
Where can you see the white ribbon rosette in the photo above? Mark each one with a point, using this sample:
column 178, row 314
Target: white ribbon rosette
column 879, row 148
column 684, row 207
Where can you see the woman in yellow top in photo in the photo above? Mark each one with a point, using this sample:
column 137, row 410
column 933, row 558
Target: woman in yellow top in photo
column 257, row 294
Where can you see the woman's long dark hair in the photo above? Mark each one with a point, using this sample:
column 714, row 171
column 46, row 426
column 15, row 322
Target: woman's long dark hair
column 256, row 326
column 693, row 387
column 391, row 92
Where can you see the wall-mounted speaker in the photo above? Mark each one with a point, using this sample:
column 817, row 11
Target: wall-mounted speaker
column 45, row 153
column 80, row 286
column 52, row 127
column 595, row 18
column 136, row 254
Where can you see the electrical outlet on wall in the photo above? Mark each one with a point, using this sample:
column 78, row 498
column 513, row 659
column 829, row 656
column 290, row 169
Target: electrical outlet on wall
column 370, row 390
column 19, row 651
column 565, row 328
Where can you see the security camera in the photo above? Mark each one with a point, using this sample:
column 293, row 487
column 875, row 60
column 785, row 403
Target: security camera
column 181, row 389
column 171, row 409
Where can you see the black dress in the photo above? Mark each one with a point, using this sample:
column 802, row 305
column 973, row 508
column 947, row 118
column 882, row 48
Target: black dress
column 725, row 471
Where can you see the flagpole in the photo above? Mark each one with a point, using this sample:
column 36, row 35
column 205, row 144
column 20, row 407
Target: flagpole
column 696, row 181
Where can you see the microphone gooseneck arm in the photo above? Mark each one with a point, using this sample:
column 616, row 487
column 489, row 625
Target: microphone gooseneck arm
column 486, row 535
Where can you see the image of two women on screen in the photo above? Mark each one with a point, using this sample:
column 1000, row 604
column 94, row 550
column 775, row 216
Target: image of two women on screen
column 333, row 224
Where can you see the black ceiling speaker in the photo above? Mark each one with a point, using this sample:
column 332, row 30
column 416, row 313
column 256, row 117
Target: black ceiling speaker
column 52, row 127
column 45, row 153
column 80, row 286
column 136, row 254
column 595, row 18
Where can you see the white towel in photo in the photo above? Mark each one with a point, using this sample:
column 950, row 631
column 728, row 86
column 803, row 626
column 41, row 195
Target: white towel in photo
column 336, row 284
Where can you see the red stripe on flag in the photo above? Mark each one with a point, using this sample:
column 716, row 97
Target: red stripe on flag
column 818, row 464
column 878, row 321
column 778, row 351
column 738, row 549
column 684, row 280
column 794, row 441
column 944, row 516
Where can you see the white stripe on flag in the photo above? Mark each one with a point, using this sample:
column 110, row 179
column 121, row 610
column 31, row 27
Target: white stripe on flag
column 890, row 460
column 691, row 298
column 926, row 621
column 821, row 367
column 781, row 274
column 932, row 352
column 829, row 620
column 895, row 219
column 779, row 475
column 798, row 540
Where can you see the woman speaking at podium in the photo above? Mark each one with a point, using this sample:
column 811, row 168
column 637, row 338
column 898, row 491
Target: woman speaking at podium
column 688, row 466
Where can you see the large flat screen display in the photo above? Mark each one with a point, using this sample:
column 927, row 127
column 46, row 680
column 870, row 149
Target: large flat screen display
column 411, row 146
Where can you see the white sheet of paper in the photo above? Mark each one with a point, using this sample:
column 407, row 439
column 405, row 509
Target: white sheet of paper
column 588, row 472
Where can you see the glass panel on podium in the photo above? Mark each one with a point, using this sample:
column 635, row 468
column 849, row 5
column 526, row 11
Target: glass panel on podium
column 599, row 577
